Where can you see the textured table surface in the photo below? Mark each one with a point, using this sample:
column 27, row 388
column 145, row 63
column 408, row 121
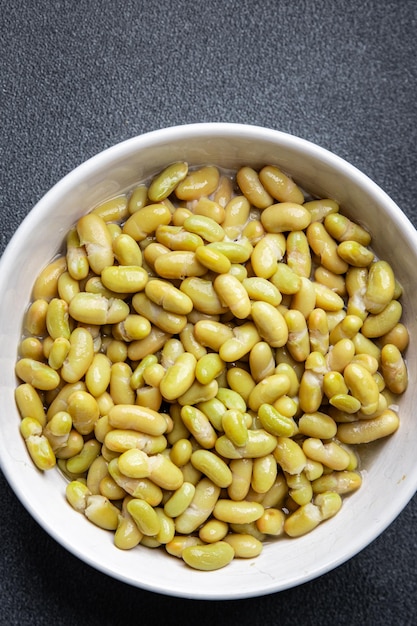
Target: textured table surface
column 80, row 76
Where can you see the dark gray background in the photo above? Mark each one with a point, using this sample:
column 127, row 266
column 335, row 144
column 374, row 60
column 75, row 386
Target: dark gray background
column 77, row 77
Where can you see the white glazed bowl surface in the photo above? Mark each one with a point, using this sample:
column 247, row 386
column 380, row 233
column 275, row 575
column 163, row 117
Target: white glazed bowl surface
column 390, row 475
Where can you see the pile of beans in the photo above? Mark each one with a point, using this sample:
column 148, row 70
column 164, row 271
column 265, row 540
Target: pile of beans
column 205, row 359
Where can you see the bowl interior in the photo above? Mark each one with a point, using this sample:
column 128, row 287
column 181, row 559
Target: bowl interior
column 390, row 478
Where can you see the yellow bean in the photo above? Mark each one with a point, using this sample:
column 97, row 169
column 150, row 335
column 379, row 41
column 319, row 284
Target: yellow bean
column 261, row 361
column 319, row 209
column 252, row 188
column 241, row 470
column 146, row 220
column 355, row 253
column 329, row 454
column 201, row 507
column 271, row 324
column 318, row 425
column 318, row 330
column 382, row 323
column 394, row 369
column 209, row 367
column 95, row 236
column 271, row 522
column 209, row 208
column 303, row 520
column 213, row 260
column 243, row 339
column 280, row 186
column 362, row 386
column 266, row 254
column 83, row 408
column 37, row 374
column 306, row 300
column 367, row 430
column 208, row 557
column 29, row 403
column 96, row 309
column 259, row 443
column 336, row 282
column 139, row 418
column 145, row 516
column 285, row 217
column 234, row 425
column 166, row 181
column 178, row 265
column 76, row 256
column 289, row 455
column 285, row 279
column 37, row 444
column 299, row 253
column 198, row 183
column 180, row 500
column 298, row 342
column 325, row 247
column 202, row 295
column 342, row 228
column 236, row 215
column 199, row 426
column 81, row 462
column 212, row 466
column 232, row 293
column 241, row 512
column 341, row 482
column 80, row 355
column 150, row 344
column 179, row 377
column 274, row 422
column 46, row 283
column 264, row 473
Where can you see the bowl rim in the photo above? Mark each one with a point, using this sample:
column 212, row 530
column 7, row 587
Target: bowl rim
column 133, row 145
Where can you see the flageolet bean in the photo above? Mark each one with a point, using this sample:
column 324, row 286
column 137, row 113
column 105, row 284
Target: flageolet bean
column 46, row 284
column 37, row 374
column 298, row 253
column 166, row 181
column 325, row 247
column 208, row 557
column 261, row 361
column 394, row 369
column 198, row 183
column 212, row 466
column 202, row 295
column 319, row 209
column 213, row 260
column 193, row 344
column 38, row 445
column 355, row 253
column 271, row 324
column 232, row 293
column 259, row 443
column 252, row 188
column 179, row 264
column 241, row 342
column 329, row 454
column 200, row 508
column 146, row 220
column 209, row 208
column 305, row 300
column 289, row 455
column 124, row 278
column 285, row 217
column 241, row 512
column 29, row 403
column 367, row 430
column 279, row 185
column 177, row 238
column 266, row 254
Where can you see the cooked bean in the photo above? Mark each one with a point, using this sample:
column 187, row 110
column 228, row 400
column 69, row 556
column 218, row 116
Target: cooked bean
column 211, row 341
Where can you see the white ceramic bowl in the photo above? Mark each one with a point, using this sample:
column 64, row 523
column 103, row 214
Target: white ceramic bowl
column 390, row 478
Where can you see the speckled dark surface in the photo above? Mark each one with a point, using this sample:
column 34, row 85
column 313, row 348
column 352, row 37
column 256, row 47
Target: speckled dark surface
column 77, row 77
